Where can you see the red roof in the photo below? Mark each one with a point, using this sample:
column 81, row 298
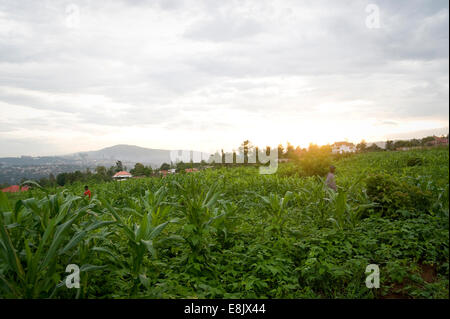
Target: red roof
column 15, row 189
column 440, row 140
column 122, row 173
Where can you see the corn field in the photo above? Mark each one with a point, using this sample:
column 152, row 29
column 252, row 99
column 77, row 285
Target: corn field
column 232, row 233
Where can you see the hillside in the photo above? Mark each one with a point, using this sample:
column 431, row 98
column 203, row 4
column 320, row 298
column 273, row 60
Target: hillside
column 14, row 169
column 126, row 154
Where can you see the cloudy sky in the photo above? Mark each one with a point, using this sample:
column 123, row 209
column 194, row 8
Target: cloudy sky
column 207, row 74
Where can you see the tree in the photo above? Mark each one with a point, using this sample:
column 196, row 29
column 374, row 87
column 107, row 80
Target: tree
column 313, row 147
column 138, row 170
column 427, row 140
column 290, row 151
column 373, row 148
column 111, row 171
column 52, row 180
column 223, row 157
column 61, row 179
column 181, row 166
column 299, row 151
column 316, row 161
column 401, row 143
column 164, row 167
column 44, row 182
column 390, row 145
column 101, row 170
column 414, row 142
column 119, row 166
column 246, row 148
column 148, row 171
column 280, row 151
column 361, row 147
column 77, row 176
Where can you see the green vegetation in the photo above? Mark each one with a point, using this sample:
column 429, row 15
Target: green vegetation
column 232, row 233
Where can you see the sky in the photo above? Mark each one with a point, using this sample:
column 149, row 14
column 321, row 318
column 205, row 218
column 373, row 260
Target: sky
column 205, row 75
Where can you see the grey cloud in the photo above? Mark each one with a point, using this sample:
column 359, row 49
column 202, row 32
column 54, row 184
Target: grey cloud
column 218, row 61
column 29, row 146
column 388, row 123
column 163, row 4
column 224, row 28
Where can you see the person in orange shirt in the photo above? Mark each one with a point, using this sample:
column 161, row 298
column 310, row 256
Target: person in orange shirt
column 87, row 192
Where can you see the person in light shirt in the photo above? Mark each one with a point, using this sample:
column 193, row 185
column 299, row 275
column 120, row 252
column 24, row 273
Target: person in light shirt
column 331, row 182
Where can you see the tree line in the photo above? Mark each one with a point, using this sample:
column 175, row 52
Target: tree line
column 314, row 158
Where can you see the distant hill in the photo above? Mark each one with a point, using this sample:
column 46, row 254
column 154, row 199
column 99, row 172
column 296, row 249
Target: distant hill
column 125, row 153
column 129, row 154
column 419, row 134
column 13, row 169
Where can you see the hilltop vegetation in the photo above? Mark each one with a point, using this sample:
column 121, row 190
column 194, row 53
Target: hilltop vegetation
column 232, row 233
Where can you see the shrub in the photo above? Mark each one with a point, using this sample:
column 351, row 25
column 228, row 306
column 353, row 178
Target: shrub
column 394, row 195
column 315, row 163
column 414, row 161
column 289, row 170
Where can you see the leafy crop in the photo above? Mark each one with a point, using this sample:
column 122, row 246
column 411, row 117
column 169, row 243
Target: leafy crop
column 232, row 233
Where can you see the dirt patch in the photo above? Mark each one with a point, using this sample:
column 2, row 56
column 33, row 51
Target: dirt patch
column 428, row 272
column 396, row 292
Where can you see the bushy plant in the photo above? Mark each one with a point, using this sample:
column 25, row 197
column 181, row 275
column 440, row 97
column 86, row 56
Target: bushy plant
column 414, row 161
column 315, row 163
column 394, row 195
column 289, row 170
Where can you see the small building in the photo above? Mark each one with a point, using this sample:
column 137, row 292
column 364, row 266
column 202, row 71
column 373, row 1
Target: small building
column 439, row 141
column 343, row 147
column 190, row 170
column 163, row 172
column 15, row 189
column 120, row 176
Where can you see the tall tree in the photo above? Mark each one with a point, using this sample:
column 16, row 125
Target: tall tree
column 148, row 171
column 165, row 167
column 119, row 166
column 245, row 149
column 138, row 170
column 280, row 151
column 101, row 171
column 61, row 179
column 52, row 179
column 390, row 145
column 290, row 151
column 361, row 146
